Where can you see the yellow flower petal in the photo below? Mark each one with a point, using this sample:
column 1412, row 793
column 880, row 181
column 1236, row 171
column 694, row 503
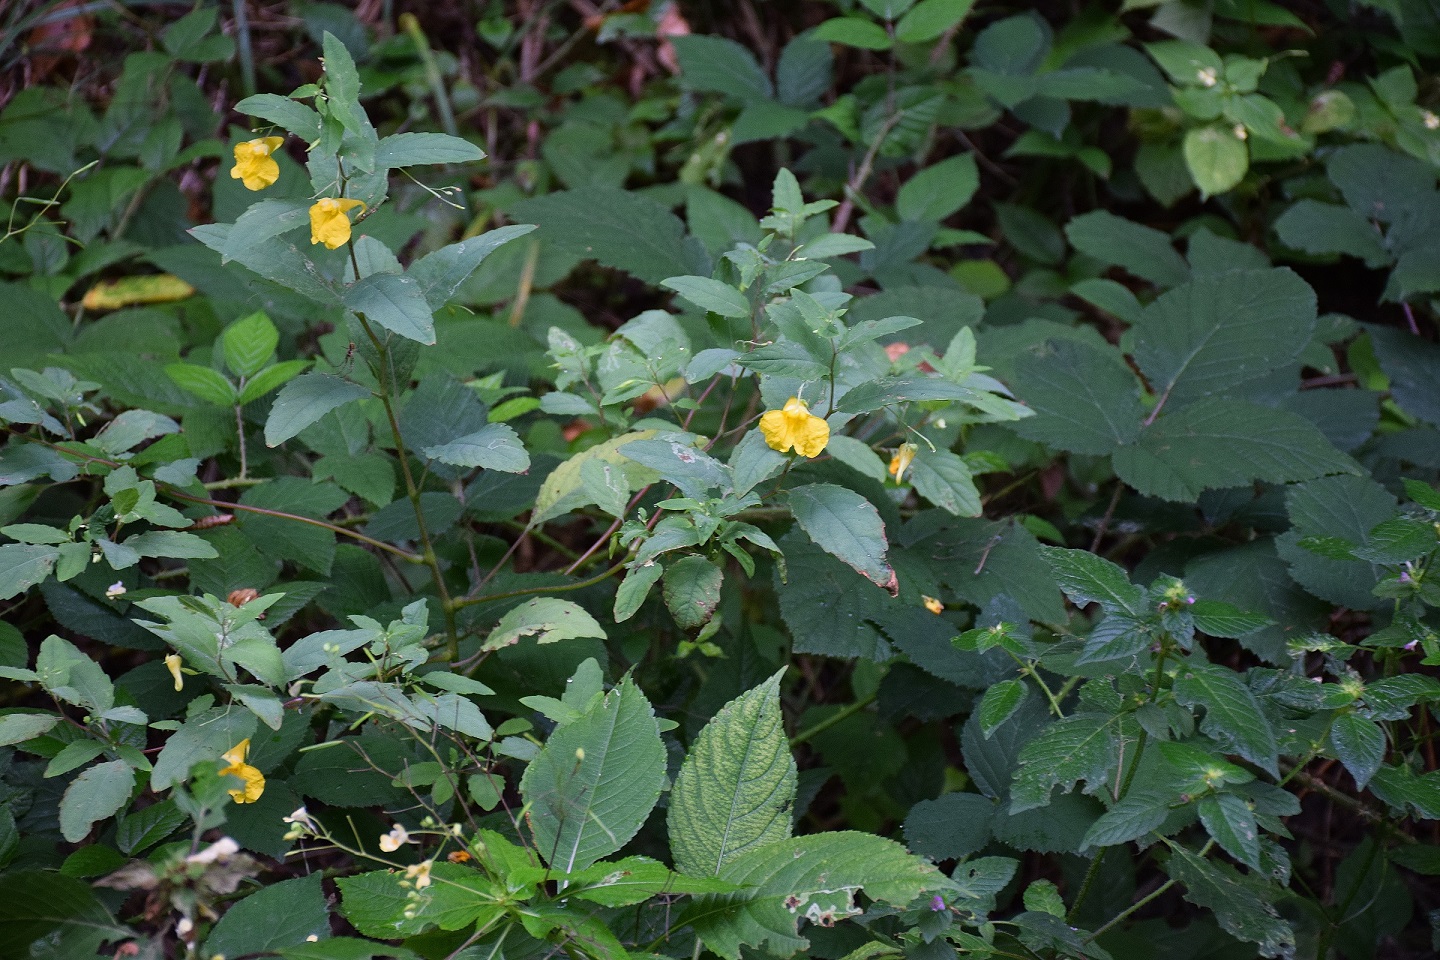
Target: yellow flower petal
column 172, row 663
column 254, row 166
column 253, row 779
column 329, row 222
column 901, row 461
column 933, row 605
column 795, row 426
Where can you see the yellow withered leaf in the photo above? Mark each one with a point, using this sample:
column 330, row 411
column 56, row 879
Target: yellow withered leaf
column 129, row 291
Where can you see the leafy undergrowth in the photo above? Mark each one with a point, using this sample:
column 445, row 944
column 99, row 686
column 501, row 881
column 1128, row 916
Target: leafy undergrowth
column 869, row 479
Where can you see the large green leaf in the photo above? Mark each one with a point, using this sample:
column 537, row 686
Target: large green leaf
column 1085, row 398
column 551, row 618
column 847, row 526
column 39, row 901
column 305, row 400
column 1144, row 251
column 1232, row 714
column 94, row 795
column 813, row 878
column 1222, row 443
column 736, row 788
column 396, row 303
column 1217, row 332
column 409, row 149
column 1243, row 906
column 1413, row 366
column 827, row 606
column 1083, row 746
column 1086, row 578
column 619, row 229
column 722, row 66
column 279, row 915
column 494, row 446
column 1327, row 228
column 1344, row 507
column 593, row 784
column 23, row 565
column 441, row 272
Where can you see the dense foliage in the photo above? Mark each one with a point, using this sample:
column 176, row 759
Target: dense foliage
column 872, row 478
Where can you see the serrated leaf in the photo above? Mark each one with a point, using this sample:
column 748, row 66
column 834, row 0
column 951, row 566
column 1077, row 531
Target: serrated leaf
column 1082, row 746
column 1215, row 333
column 999, row 704
column 1132, row 817
column 1221, row 443
column 1144, row 251
column 736, row 788
column 1086, row 578
column 1085, row 398
column 710, row 295
column 945, row 480
column 1359, row 743
column 394, row 302
column 565, row 489
column 272, row 378
column 1230, row 821
column 549, row 619
column 378, row 905
column 1240, row 904
column 278, row 915
column 304, row 401
column 96, row 794
column 1224, row 620
column 847, row 526
column 952, row 826
column 721, row 65
column 495, row 446
column 815, row 878
column 409, row 149
column 1232, row 714
column 248, row 343
column 692, row 591
column 619, row 229
column 593, row 784
column 207, row 384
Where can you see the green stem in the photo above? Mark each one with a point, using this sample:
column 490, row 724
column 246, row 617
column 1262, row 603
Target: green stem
column 1143, row 901
column 562, row 588
column 839, row 716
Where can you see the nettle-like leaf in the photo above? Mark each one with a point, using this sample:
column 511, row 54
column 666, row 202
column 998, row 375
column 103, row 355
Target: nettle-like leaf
column 593, row 784
column 736, row 788
column 1083, row 746
column 812, row 878
column 1233, row 717
column 1243, row 905
column 847, row 526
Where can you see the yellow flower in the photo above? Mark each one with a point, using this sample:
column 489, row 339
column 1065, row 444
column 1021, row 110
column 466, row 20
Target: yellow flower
column 419, row 874
column 172, row 663
column 395, row 839
column 933, row 605
column 329, row 223
column 795, row 426
column 254, row 779
column 901, row 461
column 254, row 166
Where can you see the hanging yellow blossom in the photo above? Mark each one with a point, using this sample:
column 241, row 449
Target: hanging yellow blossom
column 172, row 663
column 901, row 461
column 254, row 779
column 933, row 605
column 329, row 221
column 254, row 166
column 795, row 426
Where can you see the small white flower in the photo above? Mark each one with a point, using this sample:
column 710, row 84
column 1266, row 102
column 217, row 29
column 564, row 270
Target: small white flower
column 117, row 589
column 1432, row 122
column 1240, row 132
column 419, row 874
column 300, row 817
column 221, row 849
column 1207, row 76
column 395, row 839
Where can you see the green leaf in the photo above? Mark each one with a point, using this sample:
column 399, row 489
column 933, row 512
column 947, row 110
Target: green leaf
column 813, row 878
column 396, row 303
column 1241, row 905
column 692, row 591
column 1344, row 508
column 944, row 479
column 248, row 343
column 1223, row 620
column 1359, row 743
column 1231, row 822
column 1086, row 578
column 1232, row 714
column 941, row 189
column 23, row 565
column 207, row 384
column 721, row 65
column 346, row 948
column 264, row 220
column 171, row 543
column 1328, row 228
column 1222, row 443
column 277, row 915
column 950, row 827
column 999, row 704
column 285, row 113
column 847, row 526
column 736, row 789
column 409, row 149
column 635, row 588
column 1084, row 746
column 1042, row 896
column 1413, row 366
column 305, row 400
column 593, row 784
column 565, row 489
column 711, row 295
column 204, row 736
column 1216, row 333
column 38, row 902
column 272, row 378
column 619, row 229
column 1085, row 398
column 378, row 905
column 634, row 880
column 494, row 446
column 1131, row 818
column 928, row 19
column 20, row 727
column 281, row 538
column 854, row 32
column 96, row 794
column 549, row 619
column 1143, row 251
column 827, row 606
column 1216, row 158
column 440, row 273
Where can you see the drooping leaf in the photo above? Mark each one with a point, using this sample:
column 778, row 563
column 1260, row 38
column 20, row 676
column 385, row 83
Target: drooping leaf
column 1243, row 906
column 396, row 303
column 94, row 795
column 304, row 401
column 736, row 788
column 1231, row 822
column 847, row 526
column 1086, row 578
column 1360, row 745
column 1232, row 714
column 494, row 446
column 593, row 784
column 282, row 914
column 550, row 619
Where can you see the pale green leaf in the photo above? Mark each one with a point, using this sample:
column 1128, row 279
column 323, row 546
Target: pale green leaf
column 96, row 794
column 494, row 446
column 548, row 619
column 396, row 303
column 305, row 400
